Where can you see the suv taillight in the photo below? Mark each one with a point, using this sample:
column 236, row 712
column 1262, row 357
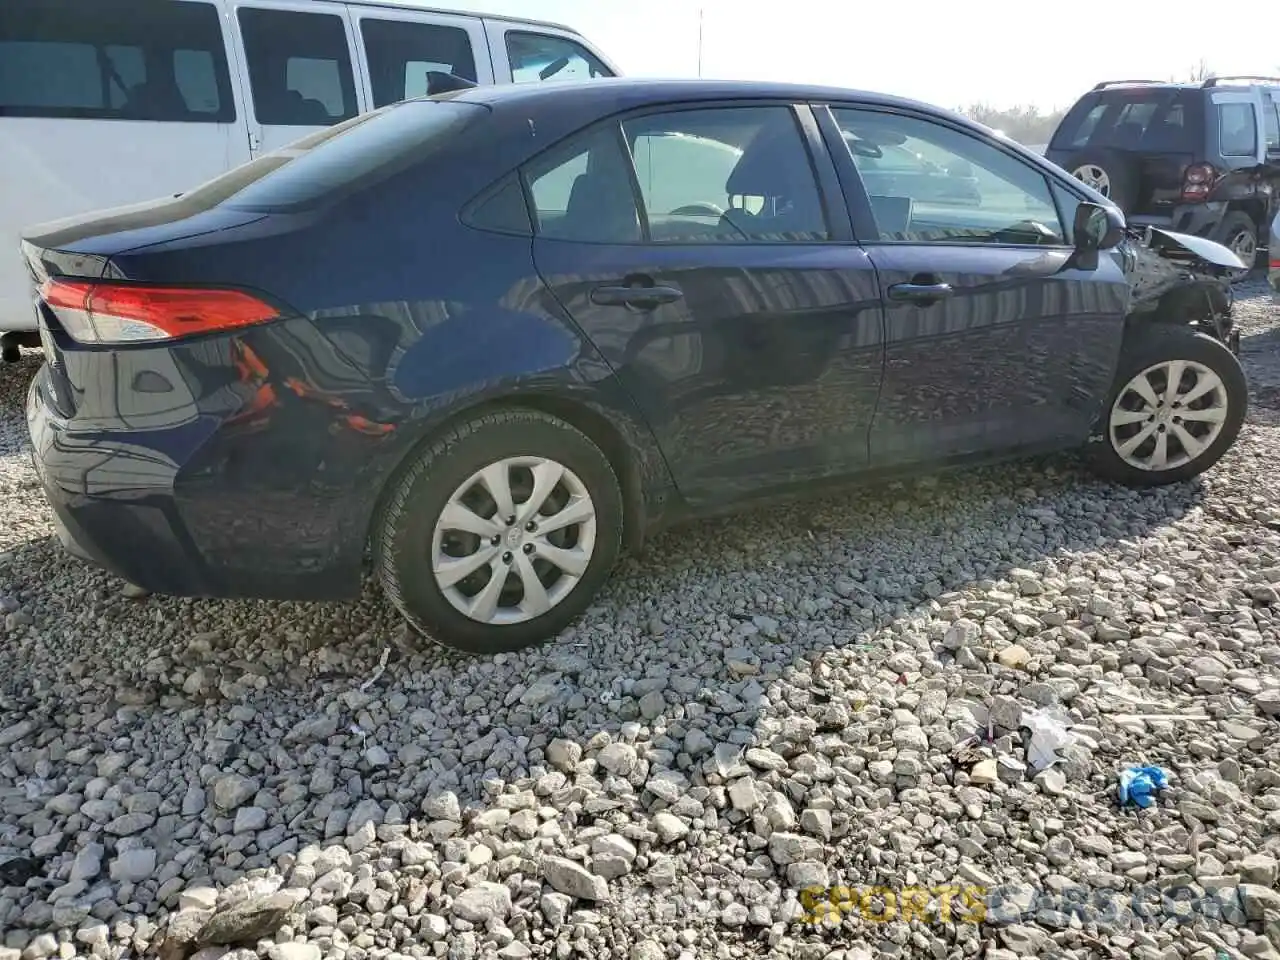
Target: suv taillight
column 107, row 313
column 1198, row 181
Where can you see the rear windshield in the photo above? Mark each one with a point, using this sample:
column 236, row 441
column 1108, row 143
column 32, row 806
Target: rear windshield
column 1131, row 118
column 337, row 160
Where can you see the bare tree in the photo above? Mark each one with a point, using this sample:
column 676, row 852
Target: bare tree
column 1200, row 71
column 1026, row 124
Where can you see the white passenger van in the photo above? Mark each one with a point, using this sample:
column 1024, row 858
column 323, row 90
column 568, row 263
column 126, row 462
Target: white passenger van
column 110, row 102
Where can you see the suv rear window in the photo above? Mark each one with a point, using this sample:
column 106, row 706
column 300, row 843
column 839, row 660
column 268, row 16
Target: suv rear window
column 1238, row 129
column 114, row 60
column 334, row 161
column 1131, row 118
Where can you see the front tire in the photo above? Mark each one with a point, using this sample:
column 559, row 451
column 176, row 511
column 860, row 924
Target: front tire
column 499, row 534
column 1177, row 406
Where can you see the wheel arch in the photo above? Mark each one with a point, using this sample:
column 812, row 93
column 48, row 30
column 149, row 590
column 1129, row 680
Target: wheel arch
column 619, row 437
column 1254, row 208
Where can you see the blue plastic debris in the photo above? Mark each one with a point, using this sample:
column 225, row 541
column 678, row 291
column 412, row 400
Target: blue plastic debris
column 1139, row 784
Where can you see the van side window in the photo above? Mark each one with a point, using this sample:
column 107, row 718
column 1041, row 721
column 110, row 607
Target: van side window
column 299, row 67
column 540, row 56
column 114, row 60
column 401, row 54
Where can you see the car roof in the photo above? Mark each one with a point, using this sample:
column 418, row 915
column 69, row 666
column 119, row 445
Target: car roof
column 1226, row 83
column 620, row 93
column 411, row 6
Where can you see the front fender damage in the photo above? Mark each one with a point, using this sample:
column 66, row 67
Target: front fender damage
column 1178, row 278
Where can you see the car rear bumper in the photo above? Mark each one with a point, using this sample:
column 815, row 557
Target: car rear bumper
column 213, row 492
column 1198, row 219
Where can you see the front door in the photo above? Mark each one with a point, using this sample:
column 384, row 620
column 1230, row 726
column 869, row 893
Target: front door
column 299, row 69
column 995, row 341
column 728, row 300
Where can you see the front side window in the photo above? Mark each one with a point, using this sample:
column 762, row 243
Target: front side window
column 401, row 56
column 154, row 60
column 733, row 175
column 1238, row 129
column 536, row 57
column 299, row 67
column 930, row 183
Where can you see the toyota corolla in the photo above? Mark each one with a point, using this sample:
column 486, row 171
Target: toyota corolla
column 481, row 343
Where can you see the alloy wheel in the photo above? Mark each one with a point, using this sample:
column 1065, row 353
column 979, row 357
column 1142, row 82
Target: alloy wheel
column 1168, row 415
column 513, row 540
column 1094, row 176
column 1244, row 245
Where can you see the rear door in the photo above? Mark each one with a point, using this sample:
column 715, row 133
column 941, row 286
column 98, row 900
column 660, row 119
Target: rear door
column 695, row 249
column 104, row 103
column 995, row 342
column 399, row 50
column 527, row 53
column 300, row 74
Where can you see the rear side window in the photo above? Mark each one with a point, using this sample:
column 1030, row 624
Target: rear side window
column 401, row 55
column 581, row 190
column 1238, row 129
column 331, row 163
column 158, row 60
column 299, row 67
column 1271, row 120
column 539, row 56
column 1131, row 118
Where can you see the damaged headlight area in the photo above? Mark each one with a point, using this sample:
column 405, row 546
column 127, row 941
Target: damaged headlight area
column 1179, row 278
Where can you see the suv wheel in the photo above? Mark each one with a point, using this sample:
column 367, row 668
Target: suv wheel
column 1239, row 234
column 1176, row 407
column 1111, row 174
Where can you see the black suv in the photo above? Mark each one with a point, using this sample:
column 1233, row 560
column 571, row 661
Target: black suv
column 1199, row 158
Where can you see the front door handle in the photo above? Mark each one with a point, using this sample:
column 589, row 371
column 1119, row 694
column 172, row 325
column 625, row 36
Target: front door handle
column 921, row 293
column 639, row 297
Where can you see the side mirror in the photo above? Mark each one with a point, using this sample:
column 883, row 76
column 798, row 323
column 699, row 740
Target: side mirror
column 1096, row 228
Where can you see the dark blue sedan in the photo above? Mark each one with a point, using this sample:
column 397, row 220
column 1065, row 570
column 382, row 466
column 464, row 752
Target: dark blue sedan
column 485, row 341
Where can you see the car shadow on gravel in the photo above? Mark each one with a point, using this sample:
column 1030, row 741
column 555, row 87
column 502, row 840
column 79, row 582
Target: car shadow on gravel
column 337, row 715
column 333, row 712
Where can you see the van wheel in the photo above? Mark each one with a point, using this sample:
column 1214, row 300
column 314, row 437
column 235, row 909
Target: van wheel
column 1177, row 406
column 499, row 533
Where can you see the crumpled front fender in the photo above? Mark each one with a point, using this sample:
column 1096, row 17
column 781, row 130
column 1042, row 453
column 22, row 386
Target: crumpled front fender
column 1179, row 278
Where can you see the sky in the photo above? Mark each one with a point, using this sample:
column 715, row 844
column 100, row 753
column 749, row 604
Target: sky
column 942, row 51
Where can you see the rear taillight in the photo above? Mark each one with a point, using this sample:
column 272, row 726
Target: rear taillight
column 1198, row 181
column 128, row 313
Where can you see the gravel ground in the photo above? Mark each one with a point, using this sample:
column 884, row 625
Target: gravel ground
column 761, row 705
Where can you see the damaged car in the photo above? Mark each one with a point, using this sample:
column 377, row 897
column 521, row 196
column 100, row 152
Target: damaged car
column 479, row 344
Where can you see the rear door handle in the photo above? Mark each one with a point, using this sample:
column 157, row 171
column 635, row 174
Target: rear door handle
column 644, row 298
column 922, row 293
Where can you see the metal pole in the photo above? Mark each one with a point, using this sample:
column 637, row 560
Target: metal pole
column 700, row 42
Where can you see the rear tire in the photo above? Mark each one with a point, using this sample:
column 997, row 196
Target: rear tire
column 1239, row 234
column 1200, row 397
column 475, row 580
